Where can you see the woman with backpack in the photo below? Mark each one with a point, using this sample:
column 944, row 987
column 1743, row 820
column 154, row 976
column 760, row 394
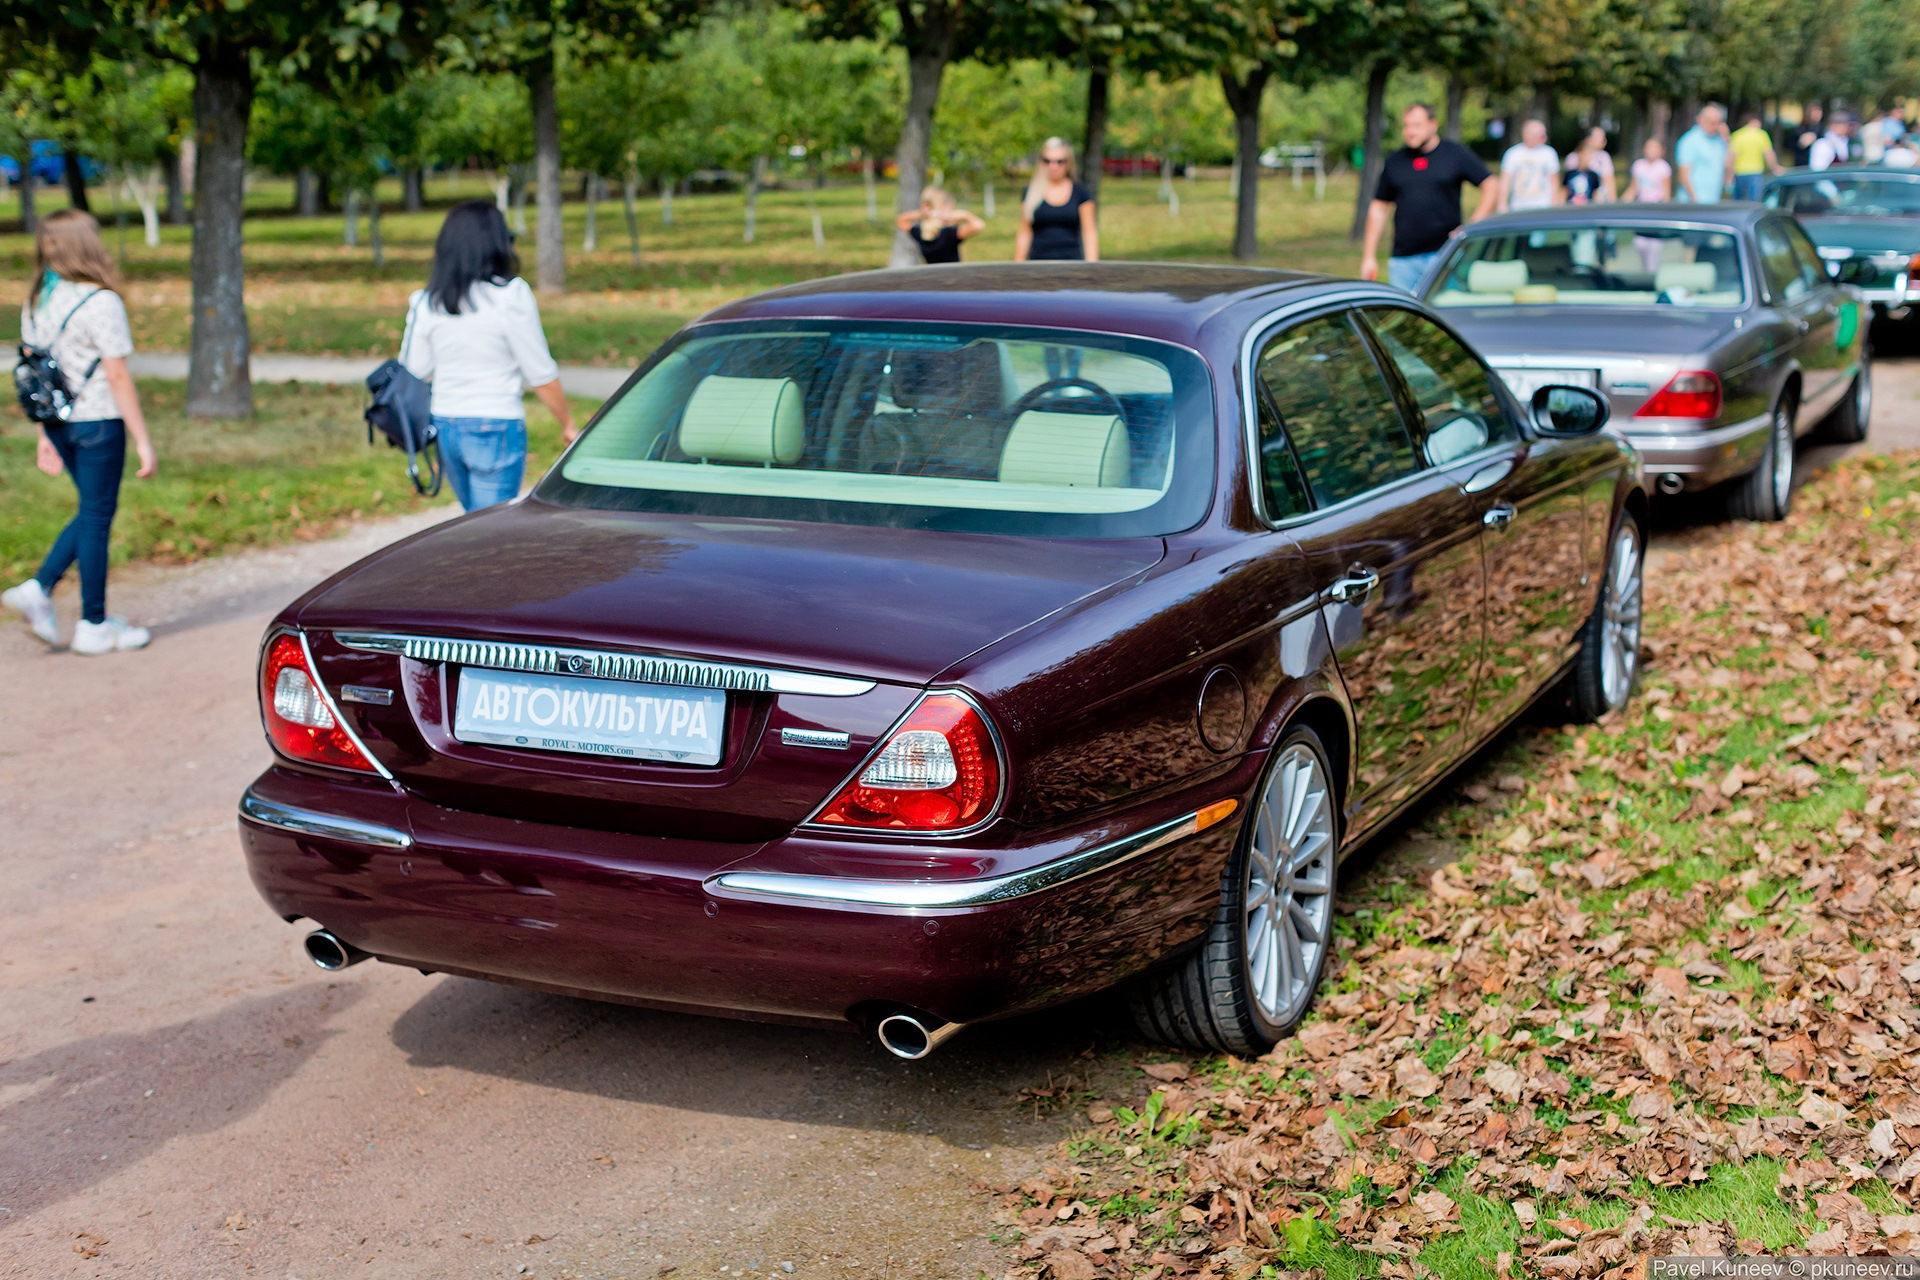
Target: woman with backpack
column 474, row 333
column 73, row 313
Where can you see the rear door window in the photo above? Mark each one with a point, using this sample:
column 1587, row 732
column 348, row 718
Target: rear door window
column 1778, row 263
column 1460, row 412
column 1335, row 410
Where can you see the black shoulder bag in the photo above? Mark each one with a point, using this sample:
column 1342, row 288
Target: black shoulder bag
column 41, row 383
column 400, row 405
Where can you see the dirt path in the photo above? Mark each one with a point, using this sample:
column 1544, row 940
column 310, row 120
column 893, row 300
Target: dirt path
column 183, row 1095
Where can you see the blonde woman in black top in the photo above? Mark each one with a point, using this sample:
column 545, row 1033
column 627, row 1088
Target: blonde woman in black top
column 938, row 226
column 1057, row 218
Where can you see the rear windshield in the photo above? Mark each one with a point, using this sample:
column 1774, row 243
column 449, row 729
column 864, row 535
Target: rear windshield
column 1878, row 197
column 1617, row 266
column 975, row 428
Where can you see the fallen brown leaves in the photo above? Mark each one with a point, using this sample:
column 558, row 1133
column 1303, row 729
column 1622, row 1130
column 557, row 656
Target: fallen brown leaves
column 1690, row 938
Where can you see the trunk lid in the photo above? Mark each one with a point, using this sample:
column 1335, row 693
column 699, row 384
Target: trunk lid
column 888, row 606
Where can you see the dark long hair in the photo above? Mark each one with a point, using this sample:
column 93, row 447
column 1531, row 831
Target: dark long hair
column 474, row 245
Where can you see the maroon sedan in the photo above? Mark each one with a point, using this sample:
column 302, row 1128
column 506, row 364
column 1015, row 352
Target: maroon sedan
column 915, row 648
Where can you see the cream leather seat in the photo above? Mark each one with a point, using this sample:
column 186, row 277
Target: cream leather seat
column 750, row 420
column 1497, row 277
column 1078, row 450
column 1694, row 277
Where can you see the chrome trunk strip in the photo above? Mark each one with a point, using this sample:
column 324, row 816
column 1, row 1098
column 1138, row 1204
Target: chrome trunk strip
column 306, row 822
column 605, row 664
column 831, row 891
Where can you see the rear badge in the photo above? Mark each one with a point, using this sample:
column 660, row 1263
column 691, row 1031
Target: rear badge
column 815, row 738
column 579, row 664
column 366, row 693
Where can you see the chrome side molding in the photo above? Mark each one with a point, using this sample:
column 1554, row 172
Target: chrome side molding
column 307, row 822
column 910, row 895
column 605, row 664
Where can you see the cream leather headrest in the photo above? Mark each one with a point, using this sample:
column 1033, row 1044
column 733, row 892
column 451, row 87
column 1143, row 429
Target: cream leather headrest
column 1497, row 277
column 1694, row 277
column 1082, row 450
column 744, row 420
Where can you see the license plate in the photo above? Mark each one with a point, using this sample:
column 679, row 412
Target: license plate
column 594, row 717
column 1524, row 382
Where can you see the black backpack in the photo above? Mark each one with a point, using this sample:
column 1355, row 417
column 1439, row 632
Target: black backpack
column 400, row 405
column 41, row 383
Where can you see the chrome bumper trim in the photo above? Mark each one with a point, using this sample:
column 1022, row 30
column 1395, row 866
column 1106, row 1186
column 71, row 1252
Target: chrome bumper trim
column 605, row 664
column 913, row 895
column 306, row 822
column 1714, row 439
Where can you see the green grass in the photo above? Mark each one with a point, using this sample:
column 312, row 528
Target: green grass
column 309, row 293
column 299, row 468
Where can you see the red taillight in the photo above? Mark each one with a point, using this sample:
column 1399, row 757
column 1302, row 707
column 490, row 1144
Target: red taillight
column 938, row 772
column 1694, row 394
column 1913, row 271
column 299, row 719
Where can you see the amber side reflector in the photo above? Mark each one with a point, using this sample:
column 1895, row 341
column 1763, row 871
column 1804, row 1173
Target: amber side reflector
column 1213, row 814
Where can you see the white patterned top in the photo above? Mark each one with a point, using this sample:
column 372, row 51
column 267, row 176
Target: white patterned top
column 97, row 331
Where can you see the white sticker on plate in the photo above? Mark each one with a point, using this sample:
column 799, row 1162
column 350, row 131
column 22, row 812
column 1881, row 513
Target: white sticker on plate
column 594, row 717
column 1524, row 382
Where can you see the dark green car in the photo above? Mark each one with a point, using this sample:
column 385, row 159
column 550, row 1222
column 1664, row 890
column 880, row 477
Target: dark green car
column 1861, row 211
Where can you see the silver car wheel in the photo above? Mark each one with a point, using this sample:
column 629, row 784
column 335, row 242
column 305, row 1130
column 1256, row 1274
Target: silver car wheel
column 1782, row 459
column 1620, row 629
column 1863, row 394
column 1289, row 898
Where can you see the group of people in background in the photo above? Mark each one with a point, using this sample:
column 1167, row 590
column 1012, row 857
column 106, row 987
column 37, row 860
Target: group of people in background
column 1420, row 184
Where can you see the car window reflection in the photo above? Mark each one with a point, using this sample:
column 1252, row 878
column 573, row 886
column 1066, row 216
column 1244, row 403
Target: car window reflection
column 1460, row 413
column 1335, row 407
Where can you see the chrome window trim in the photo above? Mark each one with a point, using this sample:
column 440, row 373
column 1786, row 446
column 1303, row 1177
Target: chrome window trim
column 605, row 664
column 922, row 895
column 307, row 822
column 808, row 824
column 1261, row 329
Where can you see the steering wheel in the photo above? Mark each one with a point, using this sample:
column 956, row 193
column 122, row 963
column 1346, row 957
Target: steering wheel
column 1053, row 388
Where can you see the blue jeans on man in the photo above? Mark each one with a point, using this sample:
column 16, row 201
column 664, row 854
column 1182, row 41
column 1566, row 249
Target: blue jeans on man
column 1748, row 186
column 1404, row 273
column 95, row 454
column 484, row 458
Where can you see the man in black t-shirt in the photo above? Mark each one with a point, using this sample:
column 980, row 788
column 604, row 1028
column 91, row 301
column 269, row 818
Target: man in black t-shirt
column 1420, row 185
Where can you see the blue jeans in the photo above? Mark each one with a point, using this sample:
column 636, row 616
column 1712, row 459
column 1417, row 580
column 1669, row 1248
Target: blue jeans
column 1404, row 273
column 95, row 453
column 484, row 458
column 1748, row 186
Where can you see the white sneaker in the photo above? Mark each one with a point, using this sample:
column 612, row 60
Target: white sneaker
column 92, row 638
column 30, row 600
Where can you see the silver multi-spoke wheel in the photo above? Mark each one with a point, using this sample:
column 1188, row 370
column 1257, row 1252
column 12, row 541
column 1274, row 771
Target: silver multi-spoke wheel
column 1289, row 898
column 1782, row 459
column 1863, row 395
column 1620, row 629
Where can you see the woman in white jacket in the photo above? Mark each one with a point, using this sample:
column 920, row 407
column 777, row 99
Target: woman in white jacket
column 474, row 333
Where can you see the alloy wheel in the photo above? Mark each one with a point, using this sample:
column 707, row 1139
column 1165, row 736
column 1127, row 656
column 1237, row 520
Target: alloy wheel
column 1289, row 898
column 1620, row 629
column 1782, row 459
column 1863, row 395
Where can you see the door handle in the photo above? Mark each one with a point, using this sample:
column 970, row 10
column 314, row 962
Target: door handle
column 1499, row 515
column 1358, row 583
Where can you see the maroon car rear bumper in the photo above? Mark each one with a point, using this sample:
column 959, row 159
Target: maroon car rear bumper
column 648, row 920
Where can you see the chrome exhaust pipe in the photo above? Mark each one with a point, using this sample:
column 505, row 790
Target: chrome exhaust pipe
column 1671, row 484
column 905, row 1035
column 331, row 953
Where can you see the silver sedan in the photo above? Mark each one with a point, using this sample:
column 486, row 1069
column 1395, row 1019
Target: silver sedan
column 1717, row 331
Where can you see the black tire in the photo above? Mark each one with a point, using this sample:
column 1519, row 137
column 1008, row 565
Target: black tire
column 1766, row 492
column 1208, row 999
column 1603, row 674
column 1848, row 422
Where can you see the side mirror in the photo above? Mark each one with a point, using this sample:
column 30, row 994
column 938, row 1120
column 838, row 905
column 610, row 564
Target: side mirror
column 1569, row 412
column 1853, row 270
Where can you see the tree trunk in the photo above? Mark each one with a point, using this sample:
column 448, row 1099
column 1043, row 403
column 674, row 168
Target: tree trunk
column 306, row 186
column 176, row 190
column 1094, row 154
column 1243, row 99
column 813, row 206
column 866, row 177
column 666, row 202
column 549, row 236
column 591, row 241
column 219, row 384
column 414, row 183
column 352, row 240
column 29, row 216
column 756, row 172
column 1456, row 106
column 928, row 37
column 76, row 181
column 373, row 224
column 323, row 191
column 1660, row 121
column 628, row 191
column 1371, row 157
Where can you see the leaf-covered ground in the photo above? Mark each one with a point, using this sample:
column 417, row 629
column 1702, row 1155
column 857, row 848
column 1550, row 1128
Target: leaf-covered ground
column 1663, row 1003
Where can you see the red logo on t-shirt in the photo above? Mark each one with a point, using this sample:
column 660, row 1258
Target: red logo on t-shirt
column 1419, row 162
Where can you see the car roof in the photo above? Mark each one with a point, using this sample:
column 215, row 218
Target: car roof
column 1730, row 214
column 1170, row 301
